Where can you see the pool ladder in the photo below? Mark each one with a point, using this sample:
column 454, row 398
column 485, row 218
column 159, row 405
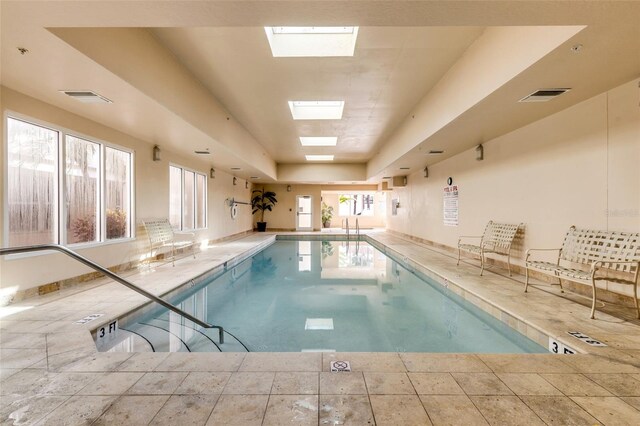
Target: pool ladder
column 357, row 228
column 117, row 278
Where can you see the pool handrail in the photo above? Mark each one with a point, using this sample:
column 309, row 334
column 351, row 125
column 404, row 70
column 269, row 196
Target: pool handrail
column 115, row 277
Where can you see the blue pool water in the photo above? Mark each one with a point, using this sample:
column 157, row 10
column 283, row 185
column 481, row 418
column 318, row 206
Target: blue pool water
column 326, row 296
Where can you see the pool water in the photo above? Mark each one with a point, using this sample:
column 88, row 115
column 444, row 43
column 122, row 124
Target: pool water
column 327, row 296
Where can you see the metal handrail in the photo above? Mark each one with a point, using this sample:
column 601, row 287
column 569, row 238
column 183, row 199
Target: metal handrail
column 117, row 278
column 347, row 227
column 357, row 229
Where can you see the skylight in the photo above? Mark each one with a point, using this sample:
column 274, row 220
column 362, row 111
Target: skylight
column 318, row 140
column 316, row 110
column 311, row 41
column 319, row 157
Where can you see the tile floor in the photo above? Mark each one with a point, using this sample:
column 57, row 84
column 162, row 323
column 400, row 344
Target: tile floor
column 50, row 372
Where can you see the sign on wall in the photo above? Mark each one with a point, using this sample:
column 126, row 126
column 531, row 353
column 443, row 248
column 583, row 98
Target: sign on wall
column 450, row 207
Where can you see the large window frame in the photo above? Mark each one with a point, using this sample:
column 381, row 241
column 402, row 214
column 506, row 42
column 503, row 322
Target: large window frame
column 183, row 170
column 60, row 186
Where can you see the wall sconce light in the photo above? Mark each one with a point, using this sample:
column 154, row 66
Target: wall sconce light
column 288, row 188
column 212, row 173
column 156, row 153
column 426, row 172
column 235, row 180
column 479, row 153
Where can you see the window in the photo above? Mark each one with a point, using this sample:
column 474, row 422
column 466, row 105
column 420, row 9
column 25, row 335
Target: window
column 32, row 183
column 355, row 205
column 187, row 199
column 88, row 201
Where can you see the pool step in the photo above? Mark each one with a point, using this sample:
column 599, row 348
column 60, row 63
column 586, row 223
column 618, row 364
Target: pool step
column 161, row 339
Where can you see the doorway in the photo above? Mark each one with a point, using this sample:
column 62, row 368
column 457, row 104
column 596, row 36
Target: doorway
column 304, row 212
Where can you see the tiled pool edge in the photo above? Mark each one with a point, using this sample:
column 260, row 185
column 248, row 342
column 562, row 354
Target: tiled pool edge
column 197, row 279
column 522, row 326
column 514, row 321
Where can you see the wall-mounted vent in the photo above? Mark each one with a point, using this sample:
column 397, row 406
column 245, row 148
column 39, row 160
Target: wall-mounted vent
column 202, row 152
column 87, row 96
column 435, row 152
column 543, row 95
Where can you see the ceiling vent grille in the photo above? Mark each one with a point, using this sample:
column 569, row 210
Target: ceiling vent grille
column 435, row 152
column 87, row 96
column 543, row 95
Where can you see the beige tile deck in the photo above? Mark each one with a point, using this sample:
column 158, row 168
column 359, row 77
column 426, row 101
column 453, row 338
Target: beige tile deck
column 50, row 371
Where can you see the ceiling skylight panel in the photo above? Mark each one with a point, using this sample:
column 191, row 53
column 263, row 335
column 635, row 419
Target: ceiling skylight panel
column 318, row 140
column 319, row 157
column 289, row 42
column 316, row 110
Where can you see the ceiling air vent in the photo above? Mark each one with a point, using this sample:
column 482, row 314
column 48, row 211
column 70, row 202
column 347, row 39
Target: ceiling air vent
column 435, row 152
column 543, row 95
column 87, row 96
column 202, row 152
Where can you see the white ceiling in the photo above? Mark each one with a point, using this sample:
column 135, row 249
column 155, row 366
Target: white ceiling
column 193, row 75
column 391, row 70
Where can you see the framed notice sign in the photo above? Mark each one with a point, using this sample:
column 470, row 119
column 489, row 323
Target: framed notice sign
column 450, row 206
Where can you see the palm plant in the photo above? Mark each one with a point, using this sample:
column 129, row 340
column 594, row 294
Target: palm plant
column 262, row 200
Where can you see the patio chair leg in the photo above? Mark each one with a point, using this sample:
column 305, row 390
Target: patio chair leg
column 635, row 299
column 457, row 264
column 173, row 255
column 509, row 263
column 526, row 278
column 481, row 263
column 560, row 282
column 593, row 302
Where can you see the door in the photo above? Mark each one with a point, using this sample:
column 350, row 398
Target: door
column 304, row 220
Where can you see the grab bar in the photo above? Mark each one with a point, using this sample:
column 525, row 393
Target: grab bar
column 117, row 278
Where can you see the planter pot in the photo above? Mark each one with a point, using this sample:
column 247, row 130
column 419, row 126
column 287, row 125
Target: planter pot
column 326, row 224
column 262, row 226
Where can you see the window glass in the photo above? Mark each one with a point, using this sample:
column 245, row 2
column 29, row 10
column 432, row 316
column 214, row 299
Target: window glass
column 82, row 169
column 32, row 180
column 117, row 193
column 189, row 200
column 201, row 201
column 355, row 205
column 96, row 190
column 175, row 197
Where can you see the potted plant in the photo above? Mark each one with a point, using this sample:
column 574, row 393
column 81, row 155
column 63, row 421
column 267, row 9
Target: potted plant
column 262, row 200
column 327, row 215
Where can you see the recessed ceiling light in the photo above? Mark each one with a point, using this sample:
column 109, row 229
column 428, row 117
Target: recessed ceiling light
column 311, row 41
column 318, row 140
column 236, row 168
column 319, row 157
column 316, row 110
column 435, row 152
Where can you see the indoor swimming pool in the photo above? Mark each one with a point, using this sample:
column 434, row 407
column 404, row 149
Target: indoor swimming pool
column 343, row 296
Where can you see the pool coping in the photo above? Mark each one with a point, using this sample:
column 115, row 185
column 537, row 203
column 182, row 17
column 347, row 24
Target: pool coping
column 64, row 335
column 544, row 336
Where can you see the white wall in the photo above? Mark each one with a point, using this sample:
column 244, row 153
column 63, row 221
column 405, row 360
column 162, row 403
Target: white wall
column 578, row 167
column 151, row 200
